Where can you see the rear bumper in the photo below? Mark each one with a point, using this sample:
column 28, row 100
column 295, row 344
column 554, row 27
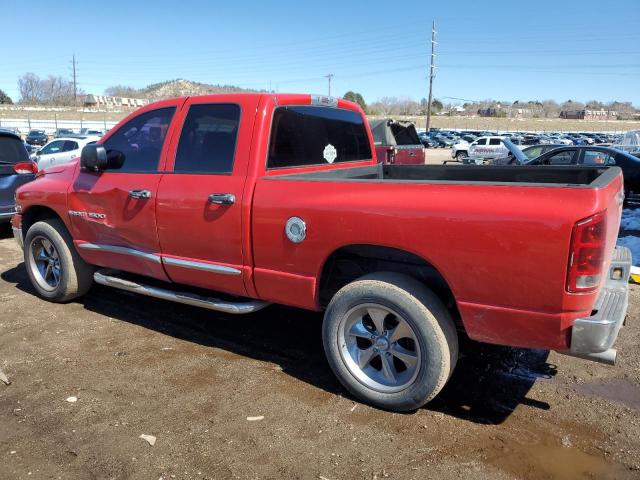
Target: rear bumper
column 593, row 337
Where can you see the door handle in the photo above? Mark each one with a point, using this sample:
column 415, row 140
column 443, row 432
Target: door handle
column 140, row 194
column 222, row 198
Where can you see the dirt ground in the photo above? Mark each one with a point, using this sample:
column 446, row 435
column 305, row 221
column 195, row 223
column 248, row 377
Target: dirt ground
column 191, row 378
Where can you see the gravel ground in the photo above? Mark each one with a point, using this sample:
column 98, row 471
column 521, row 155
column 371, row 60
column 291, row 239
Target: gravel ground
column 193, row 379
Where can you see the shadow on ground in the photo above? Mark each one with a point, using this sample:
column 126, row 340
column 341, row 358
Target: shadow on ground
column 488, row 384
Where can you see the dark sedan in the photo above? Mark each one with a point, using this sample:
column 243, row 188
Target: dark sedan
column 37, row 137
column 530, row 152
column 15, row 170
column 595, row 156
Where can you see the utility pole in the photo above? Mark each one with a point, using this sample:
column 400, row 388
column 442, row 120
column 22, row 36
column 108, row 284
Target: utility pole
column 329, row 77
column 75, row 84
column 432, row 72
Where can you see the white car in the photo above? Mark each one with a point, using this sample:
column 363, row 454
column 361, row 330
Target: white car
column 62, row 150
column 486, row 148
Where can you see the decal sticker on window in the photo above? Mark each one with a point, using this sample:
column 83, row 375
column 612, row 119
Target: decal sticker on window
column 330, row 153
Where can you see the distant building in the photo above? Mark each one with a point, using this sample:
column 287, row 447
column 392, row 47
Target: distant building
column 589, row 114
column 106, row 101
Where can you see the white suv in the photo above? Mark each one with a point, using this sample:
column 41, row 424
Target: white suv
column 484, row 148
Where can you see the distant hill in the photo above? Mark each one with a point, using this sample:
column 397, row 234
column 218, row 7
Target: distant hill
column 180, row 87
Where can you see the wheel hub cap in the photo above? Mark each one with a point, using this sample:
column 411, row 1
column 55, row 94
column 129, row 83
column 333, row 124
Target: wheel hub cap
column 379, row 347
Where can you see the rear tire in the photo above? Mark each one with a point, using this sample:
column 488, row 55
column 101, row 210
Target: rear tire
column 54, row 267
column 390, row 341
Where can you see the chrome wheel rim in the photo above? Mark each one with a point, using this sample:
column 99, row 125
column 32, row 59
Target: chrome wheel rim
column 45, row 263
column 379, row 347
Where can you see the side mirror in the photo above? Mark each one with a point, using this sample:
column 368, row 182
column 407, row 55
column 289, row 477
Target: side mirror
column 94, row 157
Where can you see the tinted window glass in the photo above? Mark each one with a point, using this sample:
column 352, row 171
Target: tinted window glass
column 306, row 135
column 53, row 147
column 69, row 145
column 482, row 141
column 560, row 158
column 593, row 157
column 208, row 139
column 12, row 150
column 495, row 141
column 140, row 140
column 533, row 152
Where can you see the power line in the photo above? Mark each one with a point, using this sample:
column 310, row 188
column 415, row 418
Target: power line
column 75, row 84
column 432, row 72
column 329, row 77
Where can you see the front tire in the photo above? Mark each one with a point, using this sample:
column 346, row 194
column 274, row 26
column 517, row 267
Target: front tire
column 390, row 341
column 54, row 267
column 460, row 156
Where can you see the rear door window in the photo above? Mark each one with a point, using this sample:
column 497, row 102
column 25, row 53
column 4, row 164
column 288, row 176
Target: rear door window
column 561, row 158
column 594, row 157
column 140, row 141
column 310, row 135
column 208, row 139
column 495, row 141
column 69, row 146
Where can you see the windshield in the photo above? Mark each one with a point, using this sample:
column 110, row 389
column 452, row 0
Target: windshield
column 12, row 150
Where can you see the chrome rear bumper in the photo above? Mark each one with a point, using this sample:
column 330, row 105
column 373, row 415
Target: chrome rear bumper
column 593, row 337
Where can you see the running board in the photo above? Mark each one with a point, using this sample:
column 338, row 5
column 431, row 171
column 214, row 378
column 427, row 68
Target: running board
column 107, row 278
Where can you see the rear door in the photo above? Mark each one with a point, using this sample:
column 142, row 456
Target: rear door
column 113, row 213
column 200, row 199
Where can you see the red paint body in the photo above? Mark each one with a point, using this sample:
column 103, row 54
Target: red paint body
column 503, row 250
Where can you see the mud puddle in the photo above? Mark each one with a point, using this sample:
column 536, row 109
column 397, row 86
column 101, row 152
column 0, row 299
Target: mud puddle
column 550, row 451
column 615, row 389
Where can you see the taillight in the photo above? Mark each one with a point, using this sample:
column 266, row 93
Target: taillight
column 586, row 257
column 25, row 167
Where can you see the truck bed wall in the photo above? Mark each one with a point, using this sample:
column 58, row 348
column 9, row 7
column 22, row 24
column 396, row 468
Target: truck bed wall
column 503, row 248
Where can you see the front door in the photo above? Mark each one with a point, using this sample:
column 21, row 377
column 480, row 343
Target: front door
column 200, row 213
column 113, row 212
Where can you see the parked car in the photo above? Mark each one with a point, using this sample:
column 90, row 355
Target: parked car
column 484, row 148
column 426, row 140
column 397, row 142
column 15, row 170
column 14, row 130
column 63, row 132
column 598, row 156
column 91, row 132
column 274, row 198
column 62, row 150
column 37, row 137
column 530, row 152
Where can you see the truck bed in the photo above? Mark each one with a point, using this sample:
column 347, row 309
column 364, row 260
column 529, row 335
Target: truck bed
column 569, row 176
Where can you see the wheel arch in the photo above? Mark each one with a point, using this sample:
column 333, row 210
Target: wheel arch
column 36, row 213
column 350, row 262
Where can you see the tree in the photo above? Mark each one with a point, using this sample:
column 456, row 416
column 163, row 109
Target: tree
column 594, row 105
column 4, row 98
column 122, row 91
column 357, row 98
column 436, row 105
column 571, row 105
column 53, row 90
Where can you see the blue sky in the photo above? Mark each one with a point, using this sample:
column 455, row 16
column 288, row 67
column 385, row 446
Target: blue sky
column 505, row 50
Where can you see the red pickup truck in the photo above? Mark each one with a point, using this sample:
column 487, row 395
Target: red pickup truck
column 267, row 198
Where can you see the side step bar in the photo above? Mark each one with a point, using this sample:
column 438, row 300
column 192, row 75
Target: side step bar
column 106, row 277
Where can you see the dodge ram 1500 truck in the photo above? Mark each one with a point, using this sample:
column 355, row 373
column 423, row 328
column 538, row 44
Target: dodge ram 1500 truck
column 273, row 198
